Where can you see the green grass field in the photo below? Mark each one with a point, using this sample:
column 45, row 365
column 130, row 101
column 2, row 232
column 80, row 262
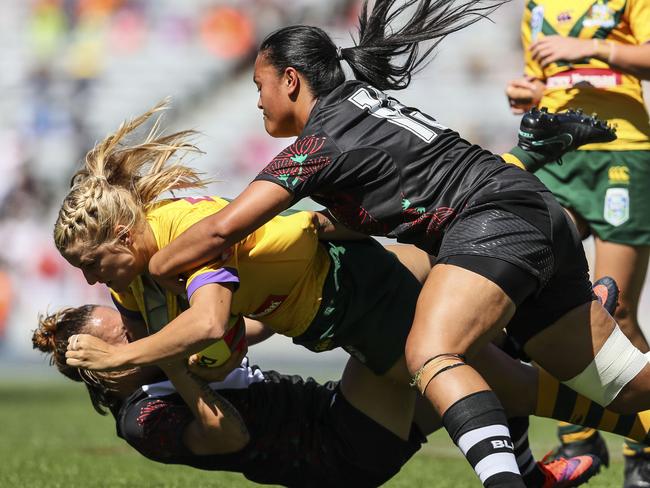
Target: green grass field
column 51, row 437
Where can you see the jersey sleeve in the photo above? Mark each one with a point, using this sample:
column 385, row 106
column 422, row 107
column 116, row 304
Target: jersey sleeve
column 225, row 270
column 155, row 428
column 126, row 304
column 530, row 29
column 301, row 167
column 639, row 20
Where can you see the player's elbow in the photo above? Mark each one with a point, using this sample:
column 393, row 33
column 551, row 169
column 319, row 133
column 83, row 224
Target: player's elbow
column 222, row 231
column 211, row 328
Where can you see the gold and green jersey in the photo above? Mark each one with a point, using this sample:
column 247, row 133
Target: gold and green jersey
column 278, row 270
column 588, row 83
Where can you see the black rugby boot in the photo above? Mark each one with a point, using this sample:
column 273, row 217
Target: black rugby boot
column 554, row 134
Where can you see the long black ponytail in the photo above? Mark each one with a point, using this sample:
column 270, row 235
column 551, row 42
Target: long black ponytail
column 312, row 53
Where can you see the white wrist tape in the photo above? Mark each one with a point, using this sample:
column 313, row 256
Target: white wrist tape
column 615, row 365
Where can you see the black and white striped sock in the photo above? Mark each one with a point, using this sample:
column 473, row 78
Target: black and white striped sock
column 519, row 433
column 478, row 426
column 528, row 467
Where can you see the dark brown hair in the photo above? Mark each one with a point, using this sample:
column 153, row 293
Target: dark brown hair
column 51, row 337
column 387, row 51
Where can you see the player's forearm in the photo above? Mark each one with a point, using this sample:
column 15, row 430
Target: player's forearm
column 218, row 428
column 633, row 60
column 202, row 242
column 189, row 333
column 256, row 331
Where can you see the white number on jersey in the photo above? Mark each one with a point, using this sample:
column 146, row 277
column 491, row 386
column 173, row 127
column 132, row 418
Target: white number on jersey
column 380, row 106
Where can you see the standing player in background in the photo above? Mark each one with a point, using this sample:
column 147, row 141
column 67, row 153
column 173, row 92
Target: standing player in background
column 592, row 54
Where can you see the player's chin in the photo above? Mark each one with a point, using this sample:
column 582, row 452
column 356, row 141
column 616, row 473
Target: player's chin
column 271, row 128
column 278, row 129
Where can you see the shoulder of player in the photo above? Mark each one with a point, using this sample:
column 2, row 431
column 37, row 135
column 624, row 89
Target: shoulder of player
column 167, row 215
column 169, row 207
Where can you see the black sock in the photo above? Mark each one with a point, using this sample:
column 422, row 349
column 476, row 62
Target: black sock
column 519, row 433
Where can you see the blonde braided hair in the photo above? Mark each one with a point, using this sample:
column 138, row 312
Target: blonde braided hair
column 118, row 182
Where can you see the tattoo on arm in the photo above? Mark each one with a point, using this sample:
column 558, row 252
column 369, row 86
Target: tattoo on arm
column 212, row 398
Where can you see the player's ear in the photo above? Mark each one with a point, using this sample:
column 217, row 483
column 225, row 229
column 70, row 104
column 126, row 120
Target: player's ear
column 291, row 80
column 124, row 235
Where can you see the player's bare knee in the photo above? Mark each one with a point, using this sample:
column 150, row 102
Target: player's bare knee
column 435, row 366
column 415, row 358
column 417, row 353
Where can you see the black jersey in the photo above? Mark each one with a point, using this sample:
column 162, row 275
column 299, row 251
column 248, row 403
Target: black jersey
column 385, row 169
column 301, row 434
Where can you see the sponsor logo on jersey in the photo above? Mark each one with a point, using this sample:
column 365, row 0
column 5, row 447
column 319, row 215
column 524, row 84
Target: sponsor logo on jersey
column 619, row 175
column 600, row 15
column 268, row 306
column 617, row 206
column 595, row 77
column 564, row 17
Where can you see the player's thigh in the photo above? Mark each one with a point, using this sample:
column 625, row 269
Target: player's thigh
column 388, row 402
column 567, row 347
column 458, row 310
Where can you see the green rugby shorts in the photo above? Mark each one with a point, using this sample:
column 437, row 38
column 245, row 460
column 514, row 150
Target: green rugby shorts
column 608, row 189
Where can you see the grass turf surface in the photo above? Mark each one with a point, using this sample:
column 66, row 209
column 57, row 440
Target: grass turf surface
column 51, row 437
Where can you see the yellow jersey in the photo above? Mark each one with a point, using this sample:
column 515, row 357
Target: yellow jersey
column 278, row 270
column 591, row 84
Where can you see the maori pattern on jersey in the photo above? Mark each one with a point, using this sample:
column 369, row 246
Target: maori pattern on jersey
column 431, row 222
column 161, row 422
column 348, row 210
column 297, row 162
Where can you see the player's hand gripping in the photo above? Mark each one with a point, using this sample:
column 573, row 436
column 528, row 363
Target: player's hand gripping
column 216, row 373
column 89, row 352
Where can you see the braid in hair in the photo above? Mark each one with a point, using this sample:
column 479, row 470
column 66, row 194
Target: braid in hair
column 119, row 181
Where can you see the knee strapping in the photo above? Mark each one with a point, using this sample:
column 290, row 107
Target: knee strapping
column 615, row 365
column 432, row 367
